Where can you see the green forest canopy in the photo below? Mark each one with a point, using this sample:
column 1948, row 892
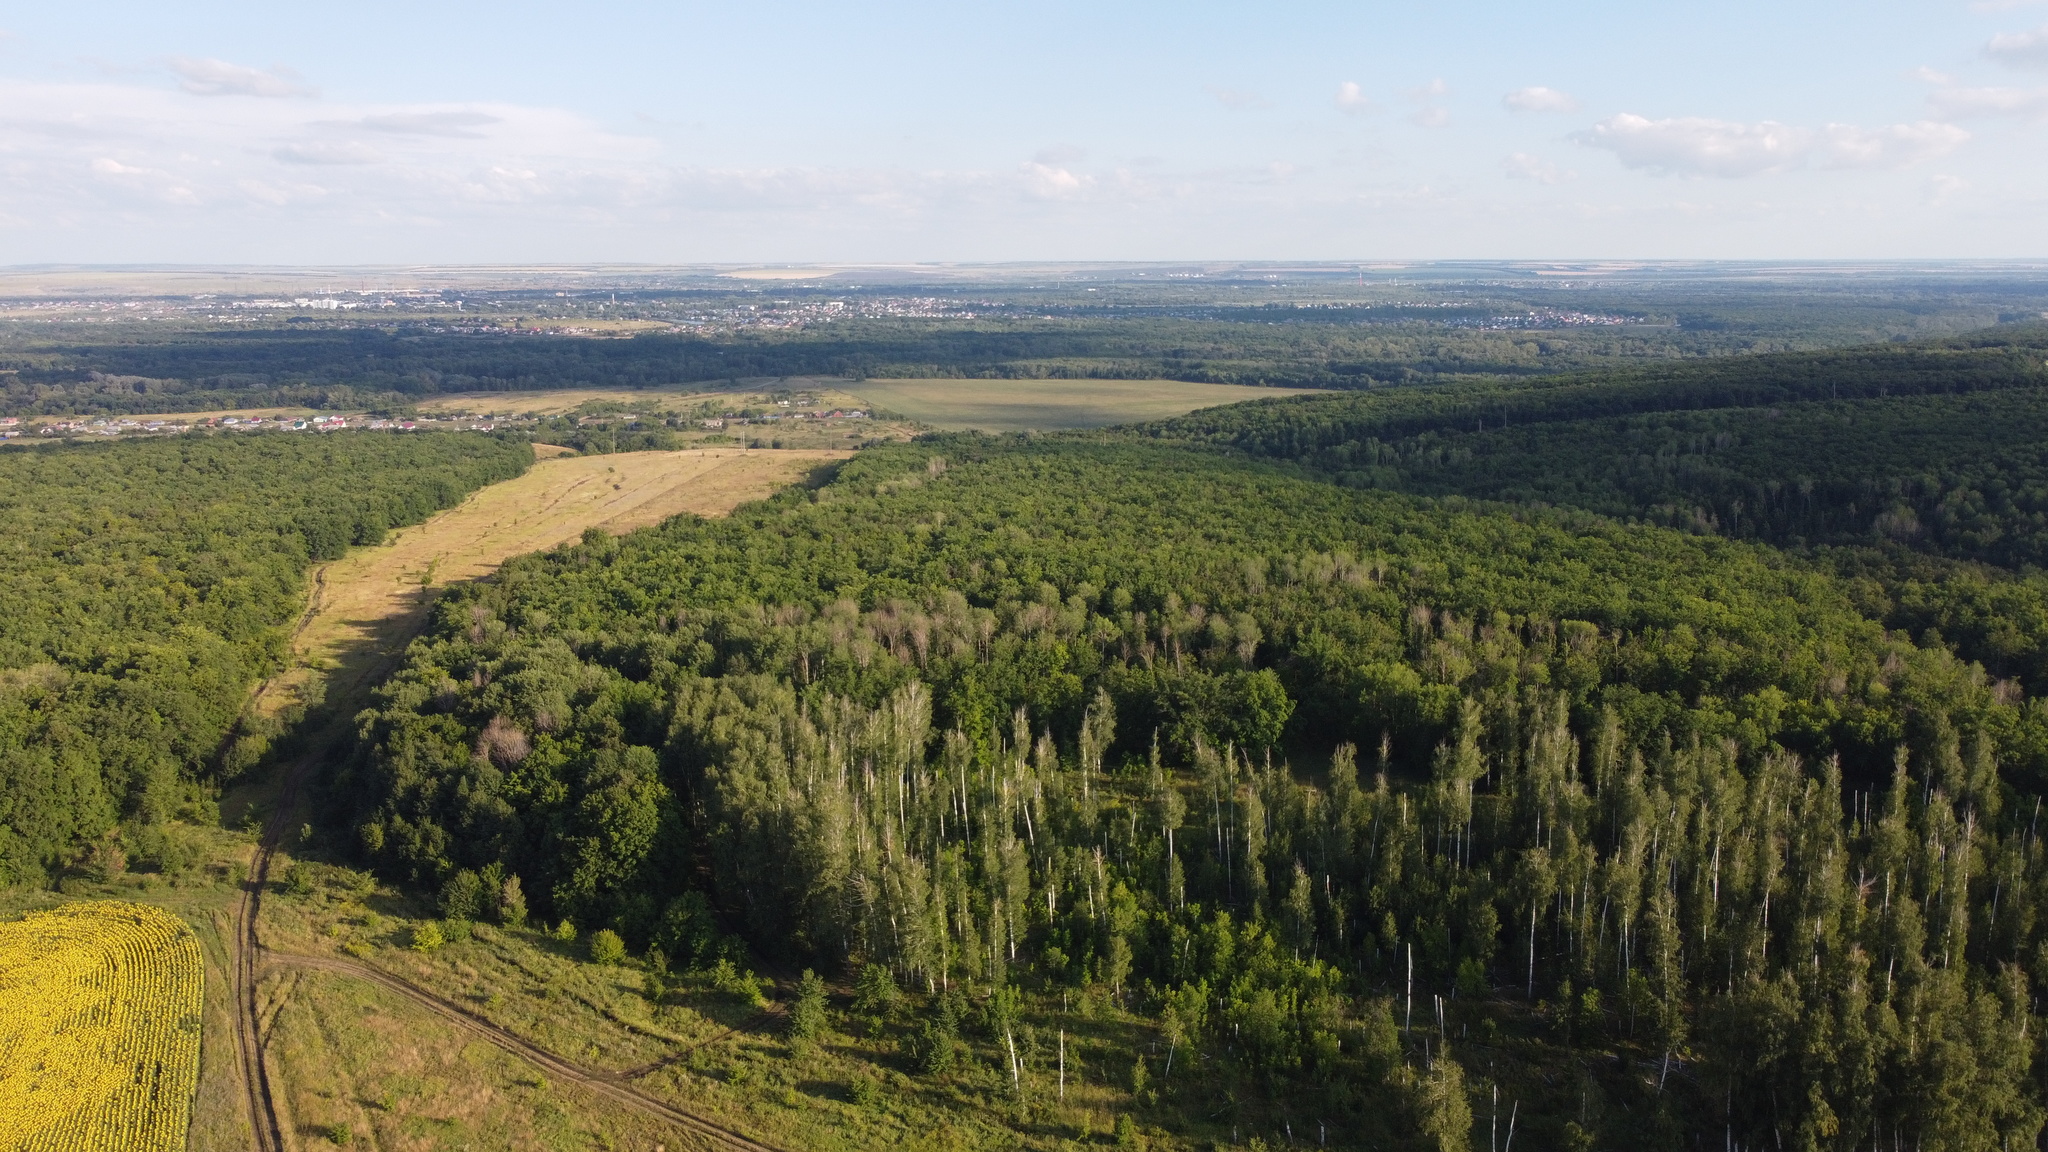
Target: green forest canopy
column 1016, row 714
column 150, row 584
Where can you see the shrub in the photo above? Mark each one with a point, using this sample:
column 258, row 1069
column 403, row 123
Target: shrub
column 807, row 1012
column 462, row 897
column 863, row 1090
column 427, row 937
column 511, row 903
column 874, row 992
column 606, row 947
column 565, row 931
column 687, row 932
column 1471, row 978
column 735, row 982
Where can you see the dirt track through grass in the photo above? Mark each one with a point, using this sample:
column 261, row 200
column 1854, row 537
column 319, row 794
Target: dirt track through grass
column 370, row 602
column 365, row 606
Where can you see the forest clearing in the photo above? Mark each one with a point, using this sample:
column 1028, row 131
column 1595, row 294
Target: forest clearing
column 366, row 604
column 99, row 1028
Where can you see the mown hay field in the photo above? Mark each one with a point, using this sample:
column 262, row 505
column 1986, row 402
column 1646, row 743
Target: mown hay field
column 100, row 1007
column 368, row 604
column 1048, row 405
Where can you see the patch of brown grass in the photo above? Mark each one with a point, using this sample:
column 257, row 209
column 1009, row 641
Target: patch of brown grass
column 366, row 605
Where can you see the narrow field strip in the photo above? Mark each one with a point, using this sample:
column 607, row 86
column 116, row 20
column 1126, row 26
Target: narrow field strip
column 99, row 1028
column 371, row 601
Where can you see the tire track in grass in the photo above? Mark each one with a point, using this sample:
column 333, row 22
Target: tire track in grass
column 616, row 1086
column 765, row 472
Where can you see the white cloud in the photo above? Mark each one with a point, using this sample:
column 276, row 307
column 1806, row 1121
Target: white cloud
column 1048, row 182
column 1428, row 112
column 1539, row 99
column 1942, row 189
column 1894, row 146
column 1523, row 166
column 1350, row 98
column 1964, row 103
column 2020, row 49
column 1929, row 75
column 459, row 124
column 1697, row 146
column 108, row 166
column 321, row 152
column 204, row 77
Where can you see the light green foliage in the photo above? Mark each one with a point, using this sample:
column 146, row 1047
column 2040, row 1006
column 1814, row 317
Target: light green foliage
column 738, row 983
column 606, row 947
column 1446, row 1115
column 427, row 937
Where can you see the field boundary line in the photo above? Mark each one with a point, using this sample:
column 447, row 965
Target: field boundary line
column 615, row 1085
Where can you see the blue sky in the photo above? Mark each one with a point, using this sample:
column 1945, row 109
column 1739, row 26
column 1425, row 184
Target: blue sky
column 512, row 132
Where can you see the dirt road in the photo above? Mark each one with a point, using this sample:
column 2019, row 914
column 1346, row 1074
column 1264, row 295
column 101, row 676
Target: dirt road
column 363, row 609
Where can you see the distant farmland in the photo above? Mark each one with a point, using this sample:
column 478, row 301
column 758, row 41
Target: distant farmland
column 1045, row 405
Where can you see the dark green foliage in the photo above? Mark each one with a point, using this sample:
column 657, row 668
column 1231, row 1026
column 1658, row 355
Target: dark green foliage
column 1013, row 724
column 1890, row 457
column 148, row 585
column 807, row 1010
column 937, row 1038
column 1329, row 431
column 874, row 992
column 511, row 903
column 462, row 897
column 688, row 932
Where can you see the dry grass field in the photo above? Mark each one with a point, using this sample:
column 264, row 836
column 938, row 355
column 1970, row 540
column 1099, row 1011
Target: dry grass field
column 558, row 401
column 1047, row 405
column 398, row 1075
column 366, row 604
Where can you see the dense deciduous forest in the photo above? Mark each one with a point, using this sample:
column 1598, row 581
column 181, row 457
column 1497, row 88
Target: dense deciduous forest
column 148, row 585
column 1267, row 761
column 1917, row 473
